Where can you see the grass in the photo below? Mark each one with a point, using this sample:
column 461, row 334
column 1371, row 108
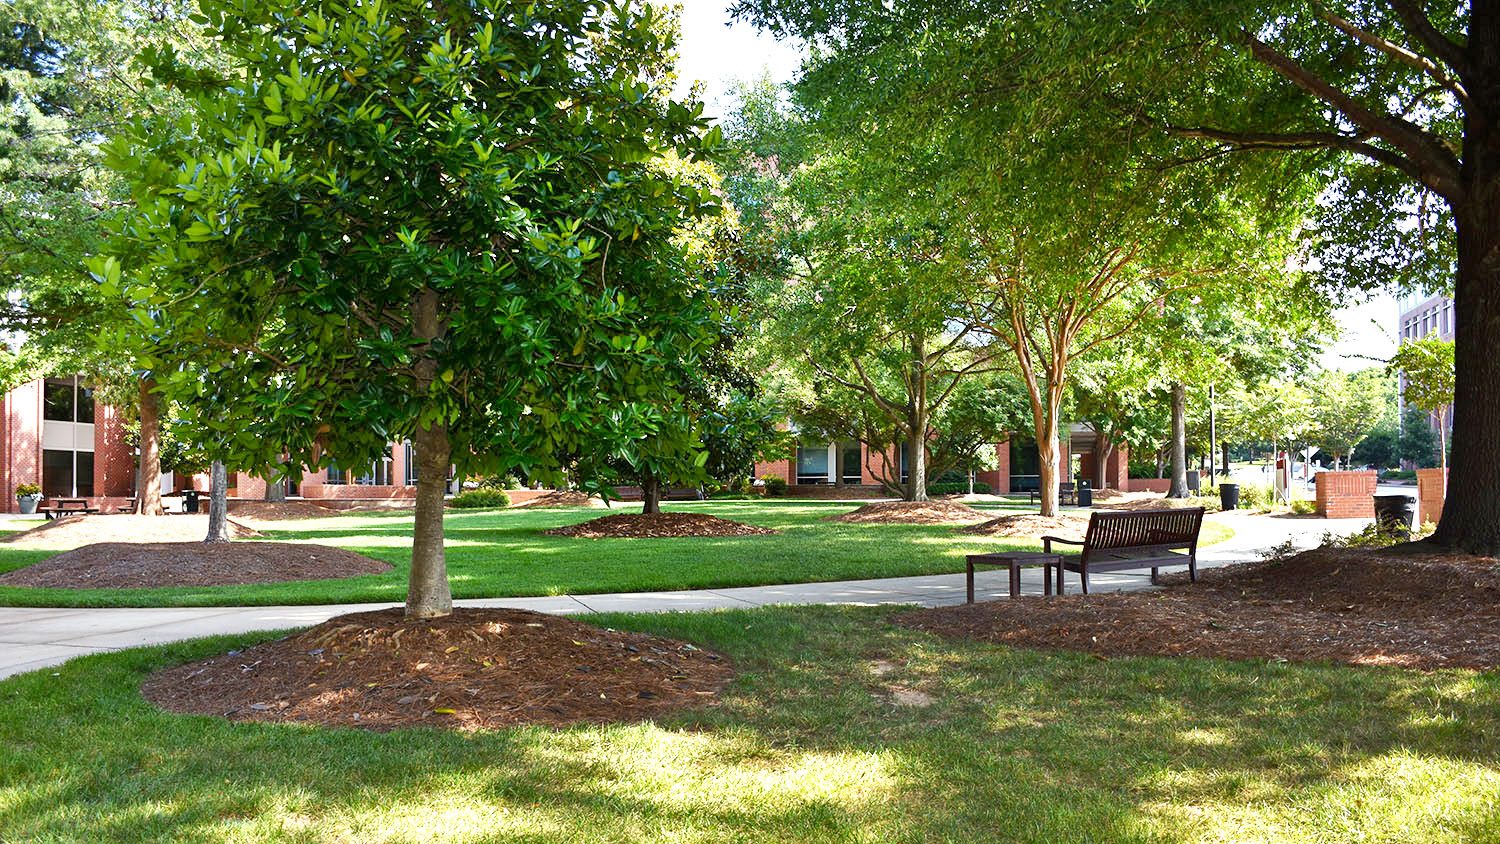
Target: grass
column 502, row 553
column 1016, row 746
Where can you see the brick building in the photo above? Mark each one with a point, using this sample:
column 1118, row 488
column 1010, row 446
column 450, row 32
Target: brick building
column 815, row 466
column 1419, row 318
column 54, row 433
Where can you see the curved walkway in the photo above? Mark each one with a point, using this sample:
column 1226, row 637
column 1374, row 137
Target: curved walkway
column 37, row 638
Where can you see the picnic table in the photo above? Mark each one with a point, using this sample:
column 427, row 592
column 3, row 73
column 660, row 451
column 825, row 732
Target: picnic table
column 67, row 507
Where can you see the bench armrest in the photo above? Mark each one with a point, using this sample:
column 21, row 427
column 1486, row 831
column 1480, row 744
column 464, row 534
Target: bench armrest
column 1048, row 540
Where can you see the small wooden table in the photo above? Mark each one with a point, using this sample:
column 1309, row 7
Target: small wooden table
column 1015, row 560
column 66, row 506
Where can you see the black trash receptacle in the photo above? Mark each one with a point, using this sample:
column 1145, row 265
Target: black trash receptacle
column 1193, row 481
column 190, row 501
column 1085, row 494
column 1229, row 496
column 1395, row 513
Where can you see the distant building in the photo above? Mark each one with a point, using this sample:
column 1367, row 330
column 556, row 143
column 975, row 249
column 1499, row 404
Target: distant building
column 1419, row 318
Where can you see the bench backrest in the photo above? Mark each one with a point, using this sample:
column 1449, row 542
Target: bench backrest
column 1144, row 529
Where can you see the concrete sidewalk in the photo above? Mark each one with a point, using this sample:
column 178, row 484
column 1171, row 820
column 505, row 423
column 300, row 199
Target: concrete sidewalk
column 36, row 638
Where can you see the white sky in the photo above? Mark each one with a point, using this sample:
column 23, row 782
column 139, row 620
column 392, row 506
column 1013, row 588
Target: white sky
column 718, row 54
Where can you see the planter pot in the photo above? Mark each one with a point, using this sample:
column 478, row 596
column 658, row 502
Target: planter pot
column 28, row 503
column 1395, row 513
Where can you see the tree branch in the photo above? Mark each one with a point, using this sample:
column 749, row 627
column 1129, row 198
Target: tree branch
column 1447, row 50
column 1438, row 168
column 1397, row 52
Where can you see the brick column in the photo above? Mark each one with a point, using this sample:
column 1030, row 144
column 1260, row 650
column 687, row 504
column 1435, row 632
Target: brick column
column 1346, row 495
column 1432, row 488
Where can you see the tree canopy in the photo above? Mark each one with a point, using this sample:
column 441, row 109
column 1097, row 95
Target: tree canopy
column 445, row 222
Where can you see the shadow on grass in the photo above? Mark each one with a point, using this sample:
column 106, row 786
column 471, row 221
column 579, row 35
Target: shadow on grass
column 809, row 745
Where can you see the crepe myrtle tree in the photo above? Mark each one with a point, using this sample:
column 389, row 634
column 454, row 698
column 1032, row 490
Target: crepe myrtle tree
column 419, row 220
column 1426, row 367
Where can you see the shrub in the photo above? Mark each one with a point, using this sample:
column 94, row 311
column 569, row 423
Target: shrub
column 775, row 484
column 1256, row 497
column 483, row 498
column 957, row 488
column 28, row 489
column 1304, row 506
column 1399, row 475
column 729, row 495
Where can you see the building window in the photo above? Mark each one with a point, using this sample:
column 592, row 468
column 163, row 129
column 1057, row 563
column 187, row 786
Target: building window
column 812, row 465
column 411, row 464
column 335, row 475
column 67, row 474
column 379, row 474
column 851, row 464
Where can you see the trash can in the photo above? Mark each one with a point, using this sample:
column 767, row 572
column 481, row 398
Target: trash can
column 1229, row 496
column 190, row 501
column 1395, row 513
column 1193, row 482
column 1085, row 494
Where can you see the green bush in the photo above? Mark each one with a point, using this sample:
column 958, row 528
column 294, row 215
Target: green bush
column 1256, row 497
column 729, row 495
column 1399, row 475
column 28, row 489
column 957, row 488
column 482, row 498
column 775, row 484
column 1304, row 506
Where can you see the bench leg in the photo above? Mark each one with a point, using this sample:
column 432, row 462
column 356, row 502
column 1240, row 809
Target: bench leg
column 1047, row 579
column 1192, row 570
column 970, row 567
column 1015, row 580
column 1155, row 579
column 1083, row 574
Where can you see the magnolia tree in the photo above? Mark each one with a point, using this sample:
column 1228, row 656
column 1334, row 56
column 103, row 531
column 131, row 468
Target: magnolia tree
column 435, row 222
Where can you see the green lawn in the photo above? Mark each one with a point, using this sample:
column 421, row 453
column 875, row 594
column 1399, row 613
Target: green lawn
column 503, row 554
column 1016, row 746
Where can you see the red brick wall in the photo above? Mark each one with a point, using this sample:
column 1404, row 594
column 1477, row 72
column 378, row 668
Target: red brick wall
column 1149, row 484
column 114, row 460
column 776, row 468
column 1346, row 495
column 1117, row 473
column 22, row 446
column 337, row 491
column 246, row 486
column 1432, row 488
column 999, row 477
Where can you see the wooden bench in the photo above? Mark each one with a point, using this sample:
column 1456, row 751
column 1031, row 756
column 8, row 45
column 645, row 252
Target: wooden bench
column 1141, row 539
column 67, row 507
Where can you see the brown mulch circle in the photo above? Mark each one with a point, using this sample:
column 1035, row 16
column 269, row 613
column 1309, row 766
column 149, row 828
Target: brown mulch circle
column 279, row 511
column 657, row 526
column 564, row 499
column 935, row 512
column 1152, row 501
column 1355, row 606
column 1032, row 526
column 77, row 531
column 475, row 669
column 132, row 565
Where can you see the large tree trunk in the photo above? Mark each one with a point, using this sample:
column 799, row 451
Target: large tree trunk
column 218, row 504
column 275, row 486
column 1104, row 451
column 1048, row 449
column 650, row 494
column 428, row 594
column 1179, row 442
column 1471, row 518
column 427, row 591
column 916, row 446
column 148, row 473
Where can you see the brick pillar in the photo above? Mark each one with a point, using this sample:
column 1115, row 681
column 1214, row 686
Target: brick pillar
column 1346, row 495
column 1432, row 488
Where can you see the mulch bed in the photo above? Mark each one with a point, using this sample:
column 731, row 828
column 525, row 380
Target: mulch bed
column 1032, row 526
column 1405, row 608
column 564, row 499
column 130, row 565
column 657, row 526
column 475, row 669
column 935, row 512
column 77, row 531
column 279, row 511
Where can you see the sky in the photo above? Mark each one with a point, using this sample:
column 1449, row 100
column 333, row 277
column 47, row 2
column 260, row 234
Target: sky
column 718, row 54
